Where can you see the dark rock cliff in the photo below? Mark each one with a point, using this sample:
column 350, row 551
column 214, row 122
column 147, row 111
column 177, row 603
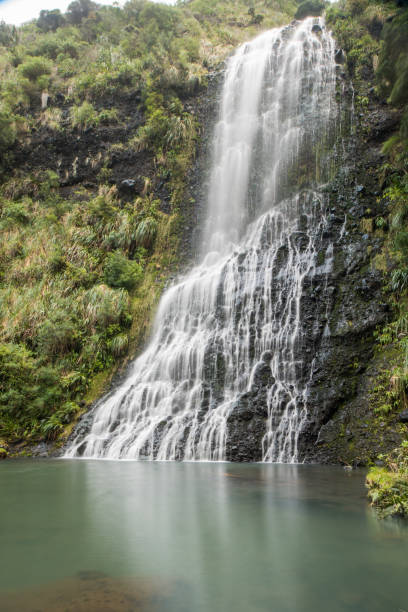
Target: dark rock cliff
column 340, row 312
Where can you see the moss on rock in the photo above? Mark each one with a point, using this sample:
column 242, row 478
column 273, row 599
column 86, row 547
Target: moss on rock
column 388, row 484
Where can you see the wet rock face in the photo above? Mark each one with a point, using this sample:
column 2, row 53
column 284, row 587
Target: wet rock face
column 247, row 422
column 339, row 312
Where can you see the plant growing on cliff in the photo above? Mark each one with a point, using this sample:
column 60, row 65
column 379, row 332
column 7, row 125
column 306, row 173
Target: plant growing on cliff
column 121, row 272
column 84, row 116
column 8, row 131
column 388, row 485
column 33, row 68
column 146, row 232
column 393, row 65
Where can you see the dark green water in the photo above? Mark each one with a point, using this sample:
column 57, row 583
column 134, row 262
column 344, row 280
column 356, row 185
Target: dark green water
column 89, row 535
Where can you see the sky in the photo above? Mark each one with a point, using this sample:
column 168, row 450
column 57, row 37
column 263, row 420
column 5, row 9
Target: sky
column 19, row 11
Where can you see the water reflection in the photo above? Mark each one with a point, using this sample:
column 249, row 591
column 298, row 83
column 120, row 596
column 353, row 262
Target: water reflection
column 196, row 537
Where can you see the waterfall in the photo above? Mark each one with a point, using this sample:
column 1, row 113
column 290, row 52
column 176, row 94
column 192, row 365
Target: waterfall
column 227, row 341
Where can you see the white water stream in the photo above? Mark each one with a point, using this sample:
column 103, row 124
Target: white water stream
column 261, row 245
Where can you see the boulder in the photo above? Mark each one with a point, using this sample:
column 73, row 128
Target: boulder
column 403, row 416
column 128, row 187
column 340, row 56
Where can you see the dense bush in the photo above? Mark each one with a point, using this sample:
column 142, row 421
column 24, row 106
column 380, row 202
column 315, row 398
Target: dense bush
column 79, row 9
column 388, row 486
column 8, row 130
column 35, row 67
column 49, row 21
column 121, row 272
column 84, row 116
column 28, row 391
column 8, row 35
column 393, row 67
column 310, row 7
column 146, row 232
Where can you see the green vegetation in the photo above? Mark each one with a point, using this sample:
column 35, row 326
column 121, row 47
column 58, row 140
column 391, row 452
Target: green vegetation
column 310, row 8
column 374, row 35
column 388, row 486
column 120, row 272
column 7, row 129
column 81, row 264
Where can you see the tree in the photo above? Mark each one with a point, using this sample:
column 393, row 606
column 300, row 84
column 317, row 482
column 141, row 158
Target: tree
column 310, row 8
column 8, row 34
column 49, row 21
column 35, row 67
column 79, row 10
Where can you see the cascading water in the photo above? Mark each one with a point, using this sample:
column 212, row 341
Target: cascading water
column 230, row 334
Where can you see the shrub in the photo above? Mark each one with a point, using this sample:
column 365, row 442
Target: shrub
column 399, row 280
column 374, row 18
column 146, row 232
column 255, row 18
column 357, row 7
column 15, row 212
column 388, row 491
column 108, row 116
column 8, row 34
column 121, row 272
column 309, row 7
column 119, row 344
column 35, row 67
column 79, row 9
column 8, row 131
column 55, row 424
column 393, row 67
column 49, row 21
column 57, row 335
column 67, row 67
column 105, row 306
column 57, row 262
column 84, row 116
column 28, row 392
column 103, row 207
column 17, row 90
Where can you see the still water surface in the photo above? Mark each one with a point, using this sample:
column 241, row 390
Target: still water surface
column 85, row 536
